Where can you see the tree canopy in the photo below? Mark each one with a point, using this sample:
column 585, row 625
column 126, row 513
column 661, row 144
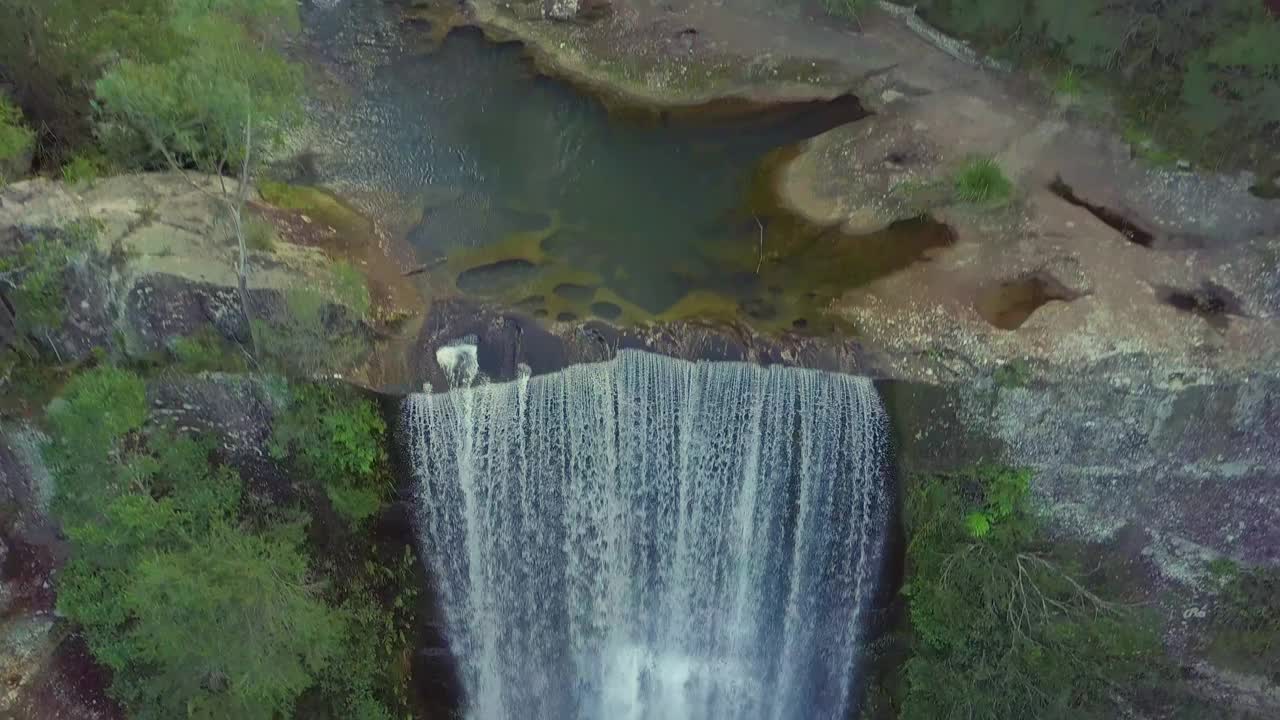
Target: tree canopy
column 1202, row 74
column 207, row 107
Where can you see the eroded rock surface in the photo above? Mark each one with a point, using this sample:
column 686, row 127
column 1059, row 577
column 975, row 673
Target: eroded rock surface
column 162, row 265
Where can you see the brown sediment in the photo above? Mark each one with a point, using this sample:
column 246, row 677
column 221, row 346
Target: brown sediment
column 314, row 217
column 1010, row 304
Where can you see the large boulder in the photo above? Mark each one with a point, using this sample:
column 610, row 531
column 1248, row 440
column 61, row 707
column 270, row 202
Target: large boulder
column 159, row 264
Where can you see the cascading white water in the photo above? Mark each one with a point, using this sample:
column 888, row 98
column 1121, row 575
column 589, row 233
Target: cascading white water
column 653, row 539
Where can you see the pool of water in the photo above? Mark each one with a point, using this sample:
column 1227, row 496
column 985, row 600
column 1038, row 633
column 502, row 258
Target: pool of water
column 522, row 189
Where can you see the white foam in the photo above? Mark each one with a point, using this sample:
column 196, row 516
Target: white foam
column 460, row 361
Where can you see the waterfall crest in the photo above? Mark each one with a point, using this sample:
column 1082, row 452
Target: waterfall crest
column 653, row 539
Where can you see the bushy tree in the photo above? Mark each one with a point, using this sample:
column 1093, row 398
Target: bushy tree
column 1201, row 74
column 1000, row 627
column 52, row 51
column 197, row 613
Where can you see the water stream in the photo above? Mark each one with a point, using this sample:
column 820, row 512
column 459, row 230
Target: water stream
column 653, row 539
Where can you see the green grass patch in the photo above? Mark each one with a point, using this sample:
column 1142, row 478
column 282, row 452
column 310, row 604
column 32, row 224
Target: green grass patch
column 849, row 9
column 1069, row 84
column 208, row 351
column 1145, row 146
column 1016, row 373
column 350, row 288
column 981, row 181
column 16, row 139
column 319, row 204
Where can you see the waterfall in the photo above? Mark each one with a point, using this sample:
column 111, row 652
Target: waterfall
column 654, row 539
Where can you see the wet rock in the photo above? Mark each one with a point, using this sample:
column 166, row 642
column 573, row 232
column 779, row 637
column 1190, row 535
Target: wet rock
column 506, row 340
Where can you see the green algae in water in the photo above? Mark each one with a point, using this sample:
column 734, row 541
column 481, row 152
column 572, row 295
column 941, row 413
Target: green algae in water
column 660, row 215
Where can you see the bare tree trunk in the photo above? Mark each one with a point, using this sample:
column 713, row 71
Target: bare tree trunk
column 237, row 217
column 235, row 208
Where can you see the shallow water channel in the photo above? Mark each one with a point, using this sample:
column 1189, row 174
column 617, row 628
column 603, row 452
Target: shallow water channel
column 519, row 188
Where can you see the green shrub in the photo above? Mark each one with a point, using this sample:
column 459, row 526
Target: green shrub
column 308, row 336
column 1245, row 623
column 336, row 438
column 981, row 181
column 33, row 278
column 1000, row 626
column 84, row 168
column 16, row 139
column 374, row 675
column 260, row 234
column 96, row 411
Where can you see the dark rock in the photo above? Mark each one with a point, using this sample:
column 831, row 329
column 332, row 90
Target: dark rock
column 506, row 340
column 235, row 410
column 161, row 308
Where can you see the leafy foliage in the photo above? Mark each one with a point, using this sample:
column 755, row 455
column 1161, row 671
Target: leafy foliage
column 1000, row 627
column 1201, row 74
column 203, row 107
column 52, row 51
column 375, row 670
column 204, row 602
column 981, row 181
column 336, row 438
column 196, row 615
